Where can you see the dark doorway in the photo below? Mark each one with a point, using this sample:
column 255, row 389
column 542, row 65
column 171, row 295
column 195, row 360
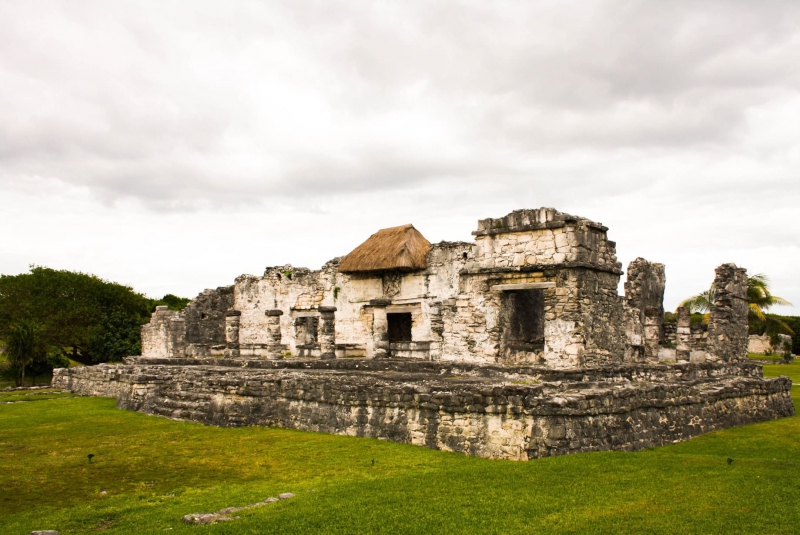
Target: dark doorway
column 399, row 327
column 524, row 315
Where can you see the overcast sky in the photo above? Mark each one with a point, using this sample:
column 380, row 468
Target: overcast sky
column 172, row 146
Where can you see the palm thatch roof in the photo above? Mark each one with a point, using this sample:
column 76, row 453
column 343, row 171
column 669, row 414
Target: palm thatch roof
column 401, row 248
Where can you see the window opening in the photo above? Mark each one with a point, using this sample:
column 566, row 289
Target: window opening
column 525, row 320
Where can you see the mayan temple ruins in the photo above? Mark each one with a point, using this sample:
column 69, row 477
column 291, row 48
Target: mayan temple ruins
column 516, row 345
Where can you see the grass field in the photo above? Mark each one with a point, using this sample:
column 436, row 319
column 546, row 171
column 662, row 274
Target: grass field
column 148, row 472
column 761, row 356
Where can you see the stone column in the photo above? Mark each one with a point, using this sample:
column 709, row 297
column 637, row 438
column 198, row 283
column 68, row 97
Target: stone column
column 327, row 332
column 380, row 328
column 727, row 325
column 232, row 333
column 653, row 317
column 683, row 335
column 274, row 347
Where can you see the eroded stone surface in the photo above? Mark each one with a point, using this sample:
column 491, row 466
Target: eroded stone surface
column 500, row 412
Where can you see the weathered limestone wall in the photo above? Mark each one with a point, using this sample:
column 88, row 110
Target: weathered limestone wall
column 205, row 321
column 762, row 344
column 165, row 335
column 198, row 330
column 727, row 324
column 534, row 238
column 462, row 307
column 583, row 313
column 301, row 293
column 516, row 413
column 644, row 298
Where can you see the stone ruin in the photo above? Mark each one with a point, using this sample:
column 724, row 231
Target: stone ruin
column 516, row 346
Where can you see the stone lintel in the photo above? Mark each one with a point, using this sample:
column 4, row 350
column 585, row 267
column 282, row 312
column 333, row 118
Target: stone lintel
column 521, row 228
column 233, row 312
column 404, row 307
column 275, row 312
column 326, row 310
column 305, row 313
column 523, row 286
column 380, row 303
column 542, row 268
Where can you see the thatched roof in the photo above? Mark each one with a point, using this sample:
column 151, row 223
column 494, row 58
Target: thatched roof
column 402, row 248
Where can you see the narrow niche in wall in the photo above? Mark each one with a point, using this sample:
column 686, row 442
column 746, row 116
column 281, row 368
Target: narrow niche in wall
column 305, row 331
column 523, row 312
column 399, row 327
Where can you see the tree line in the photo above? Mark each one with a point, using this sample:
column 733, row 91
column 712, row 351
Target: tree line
column 49, row 316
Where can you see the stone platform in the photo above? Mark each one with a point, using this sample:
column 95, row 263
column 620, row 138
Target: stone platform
column 489, row 411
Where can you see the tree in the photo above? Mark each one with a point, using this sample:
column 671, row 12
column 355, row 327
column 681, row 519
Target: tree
column 24, row 345
column 759, row 296
column 702, row 302
column 88, row 319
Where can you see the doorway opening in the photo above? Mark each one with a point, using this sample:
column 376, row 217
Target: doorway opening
column 399, row 327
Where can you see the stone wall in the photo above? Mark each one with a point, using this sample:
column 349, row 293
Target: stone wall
column 509, row 413
column 542, row 237
column 165, row 335
column 205, row 320
column 727, row 324
column 763, row 344
column 461, row 306
column 644, row 297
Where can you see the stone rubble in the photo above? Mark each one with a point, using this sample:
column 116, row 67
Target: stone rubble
column 223, row 515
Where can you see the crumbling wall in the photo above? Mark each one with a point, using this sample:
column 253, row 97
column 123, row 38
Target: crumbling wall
column 763, row 344
column 205, row 321
column 601, row 310
column 358, row 299
column 727, row 325
column 644, row 298
column 543, row 237
column 577, row 266
column 165, row 335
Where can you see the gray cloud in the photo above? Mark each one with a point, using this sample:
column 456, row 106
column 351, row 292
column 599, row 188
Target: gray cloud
column 184, row 107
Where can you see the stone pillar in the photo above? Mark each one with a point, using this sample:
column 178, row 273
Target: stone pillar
column 683, row 335
column 727, row 325
column 653, row 317
column 644, row 290
column 274, row 347
column 232, row 333
column 380, row 328
column 327, row 332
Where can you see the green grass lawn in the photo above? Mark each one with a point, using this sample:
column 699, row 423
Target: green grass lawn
column 761, row 356
column 153, row 471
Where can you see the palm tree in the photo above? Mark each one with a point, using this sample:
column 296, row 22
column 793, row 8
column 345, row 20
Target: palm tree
column 701, row 303
column 759, row 296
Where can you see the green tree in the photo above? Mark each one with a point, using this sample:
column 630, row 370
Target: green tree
column 24, row 345
column 760, row 297
column 88, row 319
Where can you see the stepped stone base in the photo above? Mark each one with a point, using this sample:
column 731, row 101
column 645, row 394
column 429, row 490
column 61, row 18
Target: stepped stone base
column 487, row 411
